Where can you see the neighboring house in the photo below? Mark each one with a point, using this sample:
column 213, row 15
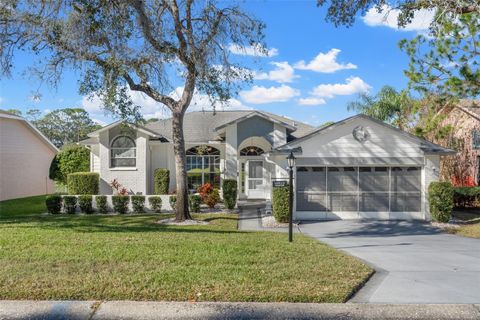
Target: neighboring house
column 25, row 157
column 464, row 168
column 355, row 168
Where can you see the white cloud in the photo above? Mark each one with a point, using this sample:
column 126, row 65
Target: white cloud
column 325, row 63
column 260, row 95
column 153, row 109
column 283, row 73
column 352, row 85
column 256, row 50
column 311, row 101
column 389, row 18
column 100, row 122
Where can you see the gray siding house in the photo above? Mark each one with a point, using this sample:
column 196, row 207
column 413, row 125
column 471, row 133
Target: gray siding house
column 356, row 168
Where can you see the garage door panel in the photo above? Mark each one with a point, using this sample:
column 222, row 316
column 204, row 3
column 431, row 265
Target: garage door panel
column 311, row 202
column 406, row 202
column 312, row 179
column 342, row 179
column 342, row 202
column 374, row 202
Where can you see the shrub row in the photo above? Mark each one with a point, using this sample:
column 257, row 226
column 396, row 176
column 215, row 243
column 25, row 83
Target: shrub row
column 466, row 197
column 55, row 204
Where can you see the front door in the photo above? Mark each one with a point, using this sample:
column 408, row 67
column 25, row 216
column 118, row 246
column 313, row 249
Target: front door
column 255, row 186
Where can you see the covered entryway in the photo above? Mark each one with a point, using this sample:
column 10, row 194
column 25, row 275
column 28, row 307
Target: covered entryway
column 359, row 192
column 255, row 179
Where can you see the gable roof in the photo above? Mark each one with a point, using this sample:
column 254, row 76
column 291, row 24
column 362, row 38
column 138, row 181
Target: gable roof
column 425, row 145
column 116, row 123
column 38, row 133
column 258, row 114
column 199, row 126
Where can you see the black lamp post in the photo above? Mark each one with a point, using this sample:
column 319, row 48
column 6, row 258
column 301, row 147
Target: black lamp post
column 291, row 164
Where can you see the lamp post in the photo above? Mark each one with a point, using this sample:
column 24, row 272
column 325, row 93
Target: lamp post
column 291, row 164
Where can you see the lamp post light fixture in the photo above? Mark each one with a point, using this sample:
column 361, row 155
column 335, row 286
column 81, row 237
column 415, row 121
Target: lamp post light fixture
column 291, row 164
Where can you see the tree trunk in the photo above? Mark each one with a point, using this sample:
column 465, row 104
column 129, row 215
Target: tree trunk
column 181, row 211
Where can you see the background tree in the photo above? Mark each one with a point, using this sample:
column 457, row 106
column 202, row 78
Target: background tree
column 388, row 105
column 444, row 62
column 54, row 125
column 71, row 158
column 140, row 44
column 15, row 112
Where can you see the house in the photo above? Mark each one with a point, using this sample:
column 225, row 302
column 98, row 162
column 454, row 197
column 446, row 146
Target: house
column 25, row 157
column 355, row 168
column 464, row 119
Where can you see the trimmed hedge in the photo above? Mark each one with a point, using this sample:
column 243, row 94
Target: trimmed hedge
column 155, row 203
column 54, row 204
column 173, row 202
column 83, row 183
column 138, row 203
column 120, row 204
column 195, row 201
column 161, row 180
column 280, row 203
column 440, row 197
column 466, row 197
column 70, row 204
column 85, row 203
column 102, row 205
column 229, row 193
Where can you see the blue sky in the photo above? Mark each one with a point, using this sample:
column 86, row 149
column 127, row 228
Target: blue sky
column 317, row 68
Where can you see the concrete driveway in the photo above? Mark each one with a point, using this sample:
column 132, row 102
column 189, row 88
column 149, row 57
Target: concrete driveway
column 415, row 262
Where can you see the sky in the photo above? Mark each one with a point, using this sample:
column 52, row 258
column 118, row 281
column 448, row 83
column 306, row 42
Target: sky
column 313, row 69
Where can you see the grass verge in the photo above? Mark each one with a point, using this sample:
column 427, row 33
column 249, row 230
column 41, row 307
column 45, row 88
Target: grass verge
column 131, row 258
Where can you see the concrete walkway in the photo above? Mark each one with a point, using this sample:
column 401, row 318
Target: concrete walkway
column 123, row 310
column 414, row 262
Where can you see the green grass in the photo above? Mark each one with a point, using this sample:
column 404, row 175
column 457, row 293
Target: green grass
column 131, row 257
column 23, row 206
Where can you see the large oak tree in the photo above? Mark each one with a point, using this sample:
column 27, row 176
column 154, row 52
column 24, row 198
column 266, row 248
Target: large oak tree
column 150, row 46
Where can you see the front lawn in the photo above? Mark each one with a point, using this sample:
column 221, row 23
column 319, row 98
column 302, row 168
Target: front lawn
column 23, row 206
column 131, row 258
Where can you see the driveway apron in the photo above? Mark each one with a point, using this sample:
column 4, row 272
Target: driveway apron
column 414, row 262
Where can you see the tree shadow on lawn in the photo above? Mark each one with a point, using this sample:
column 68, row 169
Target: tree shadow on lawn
column 117, row 223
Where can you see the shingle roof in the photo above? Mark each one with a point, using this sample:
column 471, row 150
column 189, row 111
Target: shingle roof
column 199, row 126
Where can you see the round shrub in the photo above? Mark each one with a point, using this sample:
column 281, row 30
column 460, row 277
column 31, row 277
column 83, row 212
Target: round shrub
column 83, row 183
column 229, row 193
column 120, row 204
column 138, row 203
column 440, row 197
column 85, row 204
column 101, row 202
column 155, row 203
column 195, row 201
column 70, row 204
column 71, row 158
column 54, row 204
column 280, row 203
column 212, row 198
column 161, row 181
column 173, row 202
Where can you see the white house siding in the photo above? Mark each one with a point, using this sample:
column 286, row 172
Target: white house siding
column 338, row 146
column 25, row 160
column 431, row 173
column 133, row 179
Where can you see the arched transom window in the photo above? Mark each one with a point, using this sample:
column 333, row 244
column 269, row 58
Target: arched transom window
column 203, row 166
column 123, row 152
column 251, row 151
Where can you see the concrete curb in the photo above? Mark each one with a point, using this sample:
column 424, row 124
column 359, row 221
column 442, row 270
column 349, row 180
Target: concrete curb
column 90, row 310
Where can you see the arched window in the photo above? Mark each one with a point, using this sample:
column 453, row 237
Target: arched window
column 203, row 166
column 123, row 152
column 251, row 151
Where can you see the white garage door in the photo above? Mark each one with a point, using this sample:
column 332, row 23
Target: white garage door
column 360, row 192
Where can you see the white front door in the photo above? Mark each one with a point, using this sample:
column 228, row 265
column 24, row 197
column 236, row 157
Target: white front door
column 255, row 186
